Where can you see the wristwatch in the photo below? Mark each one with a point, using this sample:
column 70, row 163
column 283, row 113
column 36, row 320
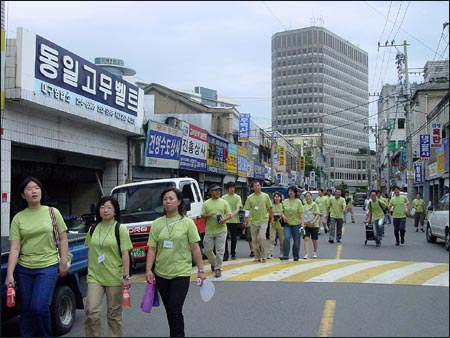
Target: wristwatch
column 201, row 271
column 127, row 277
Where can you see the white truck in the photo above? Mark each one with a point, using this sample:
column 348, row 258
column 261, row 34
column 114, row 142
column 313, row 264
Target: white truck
column 140, row 204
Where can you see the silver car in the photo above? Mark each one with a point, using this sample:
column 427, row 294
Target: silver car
column 437, row 222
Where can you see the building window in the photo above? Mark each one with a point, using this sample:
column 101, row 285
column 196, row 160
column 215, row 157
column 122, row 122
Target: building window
column 392, row 145
column 401, row 123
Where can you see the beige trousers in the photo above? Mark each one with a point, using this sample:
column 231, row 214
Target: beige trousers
column 95, row 292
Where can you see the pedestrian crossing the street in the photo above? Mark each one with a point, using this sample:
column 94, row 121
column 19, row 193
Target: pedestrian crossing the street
column 333, row 270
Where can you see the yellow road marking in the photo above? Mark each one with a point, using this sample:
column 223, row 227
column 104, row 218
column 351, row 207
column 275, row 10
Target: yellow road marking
column 326, row 323
column 361, row 276
column 265, row 270
column 423, row 275
column 305, row 275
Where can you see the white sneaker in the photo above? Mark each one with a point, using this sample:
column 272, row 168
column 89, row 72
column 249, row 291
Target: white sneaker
column 315, row 255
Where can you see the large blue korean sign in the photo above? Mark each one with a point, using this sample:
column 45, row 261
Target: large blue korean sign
column 244, row 128
column 56, row 73
column 425, row 147
column 418, row 172
column 163, row 146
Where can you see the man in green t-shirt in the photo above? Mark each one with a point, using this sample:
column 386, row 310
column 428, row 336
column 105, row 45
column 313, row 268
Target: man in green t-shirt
column 322, row 202
column 258, row 207
column 217, row 212
column 400, row 208
column 337, row 208
column 349, row 207
column 233, row 225
column 375, row 214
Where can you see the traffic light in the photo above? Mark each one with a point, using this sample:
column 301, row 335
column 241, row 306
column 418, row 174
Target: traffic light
column 302, row 162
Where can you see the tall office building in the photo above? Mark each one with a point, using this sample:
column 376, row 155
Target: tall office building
column 320, row 86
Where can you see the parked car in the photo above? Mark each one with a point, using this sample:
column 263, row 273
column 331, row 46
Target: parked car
column 437, row 222
column 359, row 198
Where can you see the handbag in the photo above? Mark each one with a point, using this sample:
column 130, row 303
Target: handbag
column 56, row 233
column 150, row 298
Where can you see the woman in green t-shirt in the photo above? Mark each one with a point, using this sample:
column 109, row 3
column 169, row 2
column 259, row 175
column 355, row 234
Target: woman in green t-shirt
column 34, row 257
column 276, row 228
column 173, row 238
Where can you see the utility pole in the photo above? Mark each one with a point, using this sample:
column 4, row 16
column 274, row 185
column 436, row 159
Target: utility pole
column 407, row 94
column 388, row 140
column 409, row 153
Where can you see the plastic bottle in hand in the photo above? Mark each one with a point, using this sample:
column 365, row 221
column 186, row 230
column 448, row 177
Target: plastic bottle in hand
column 10, row 297
column 126, row 302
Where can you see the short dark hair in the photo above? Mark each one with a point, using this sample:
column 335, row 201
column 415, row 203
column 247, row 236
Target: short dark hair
column 115, row 204
column 181, row 207
column 20, row 203
column 294, row 189
column 230, row 184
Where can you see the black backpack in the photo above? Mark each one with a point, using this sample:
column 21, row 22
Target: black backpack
column 116, row 231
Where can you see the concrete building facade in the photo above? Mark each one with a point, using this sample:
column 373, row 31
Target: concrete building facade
column 320, row 85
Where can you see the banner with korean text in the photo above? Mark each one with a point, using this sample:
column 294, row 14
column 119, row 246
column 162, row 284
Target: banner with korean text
column 244, row 128
column 436, row 135
column 242, row 161
column 425, row 148
column 232, row 163
column 64, row 78
column 163, row 146
column 217, row 154
column 418, row 172
column 193, row 149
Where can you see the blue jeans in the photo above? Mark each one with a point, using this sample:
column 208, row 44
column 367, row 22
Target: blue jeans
column 378, row 229
column 288, row 232
column 36, row 290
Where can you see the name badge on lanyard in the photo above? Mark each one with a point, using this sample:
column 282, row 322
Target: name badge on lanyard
column 168, row 244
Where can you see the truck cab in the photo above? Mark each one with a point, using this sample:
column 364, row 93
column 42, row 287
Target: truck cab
column 140, row 204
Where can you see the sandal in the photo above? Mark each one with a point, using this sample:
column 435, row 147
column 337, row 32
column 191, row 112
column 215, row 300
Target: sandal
column 263, row 259
column 257, row 260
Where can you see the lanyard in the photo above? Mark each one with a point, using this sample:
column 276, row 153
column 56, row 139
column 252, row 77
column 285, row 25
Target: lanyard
column 100, row 244
column 170, row 226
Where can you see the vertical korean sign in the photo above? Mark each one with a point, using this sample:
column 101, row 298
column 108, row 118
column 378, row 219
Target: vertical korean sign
column 49, row 70
column 242, row 161
column 425, row 149
column 232, row 163
column 418, row 172
column 163, row 146
column 244, row 128
column 436, row 135
column 193, row 150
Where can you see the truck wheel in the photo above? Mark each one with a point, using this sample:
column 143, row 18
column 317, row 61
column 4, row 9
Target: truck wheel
column 63, row 310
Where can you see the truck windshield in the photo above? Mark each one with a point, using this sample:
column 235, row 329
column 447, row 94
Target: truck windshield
column 141, row 202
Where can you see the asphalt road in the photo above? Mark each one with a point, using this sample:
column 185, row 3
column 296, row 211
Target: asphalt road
column 351, row 290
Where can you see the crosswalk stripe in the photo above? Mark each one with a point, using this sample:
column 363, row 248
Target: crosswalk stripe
column 334, row 275
column 332, row 270
column 391, row 276
column 439, row 280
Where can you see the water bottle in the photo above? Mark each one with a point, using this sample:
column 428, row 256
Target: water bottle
column 219, row 218
column 302, row 232
column 126, row 302
column 10, row 297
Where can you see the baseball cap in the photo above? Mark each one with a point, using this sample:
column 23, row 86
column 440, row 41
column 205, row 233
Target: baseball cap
column 214, row 187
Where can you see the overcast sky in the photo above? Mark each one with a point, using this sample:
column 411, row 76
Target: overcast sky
column 226, row 45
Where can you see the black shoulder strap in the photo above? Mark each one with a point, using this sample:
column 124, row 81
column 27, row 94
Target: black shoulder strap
column 92, row 228
column 118, row 237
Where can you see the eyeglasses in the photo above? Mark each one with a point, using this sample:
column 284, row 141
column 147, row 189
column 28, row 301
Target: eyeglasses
column 106, row 207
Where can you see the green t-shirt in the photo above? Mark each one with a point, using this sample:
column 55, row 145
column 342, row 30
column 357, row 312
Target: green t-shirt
column 419, row 204
column 375, row 208
column 293, row 209
column 234, row 201
column 258, row 205
column 337, row 207
column 277, row 208
column 34, row 229
column 104, row 242
column 179, row 232
column 399, row 204
column 322, row 202
column 220, row 207
column 311, row 209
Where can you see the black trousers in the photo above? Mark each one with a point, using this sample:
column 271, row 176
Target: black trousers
column 173, row 294
column 233, row 229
